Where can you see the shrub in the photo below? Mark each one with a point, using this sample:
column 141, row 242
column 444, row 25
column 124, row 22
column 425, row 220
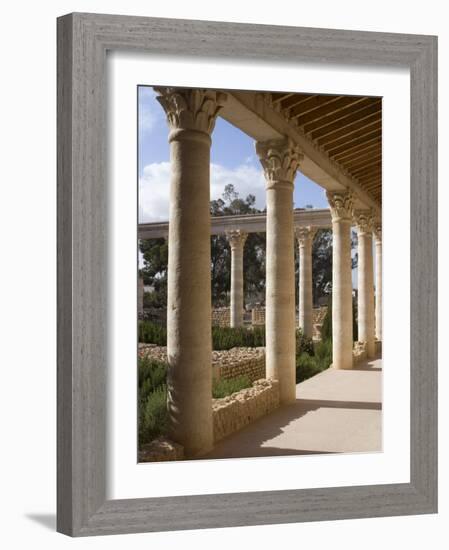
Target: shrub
column 323, row 354
column 153, row 415
column 306, row 367
column 326, row 329
column 304, row 344
column 224, row 338
column 222, row 388
column 152, row 375
column 152, row 333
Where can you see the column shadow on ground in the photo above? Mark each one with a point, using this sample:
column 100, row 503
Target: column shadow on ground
column 248, row 442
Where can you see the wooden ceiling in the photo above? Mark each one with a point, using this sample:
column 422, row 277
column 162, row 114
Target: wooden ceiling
column 347, row 128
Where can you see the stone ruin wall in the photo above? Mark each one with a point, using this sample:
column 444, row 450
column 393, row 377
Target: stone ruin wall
column 237, row 362
column 221, row 317
column 234, row 412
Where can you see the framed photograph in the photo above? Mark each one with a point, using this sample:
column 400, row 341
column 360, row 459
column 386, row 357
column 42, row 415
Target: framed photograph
column 247, row 274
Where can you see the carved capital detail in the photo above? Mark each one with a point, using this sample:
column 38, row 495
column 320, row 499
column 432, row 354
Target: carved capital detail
column 364, row 221
column 341, row 205
column 280, row 160
column 305, row 235
column 191, row 109
column 236, row 238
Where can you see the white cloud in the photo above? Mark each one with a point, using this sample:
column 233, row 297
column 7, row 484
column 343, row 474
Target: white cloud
column 155, row 183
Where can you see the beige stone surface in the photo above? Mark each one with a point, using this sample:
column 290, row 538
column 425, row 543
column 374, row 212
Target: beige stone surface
column 305, row 237
column 378, row 243
column 191, row 116
column 161, row 450
column 336, row 411
column 364, row 221
column 280, row 160
column 341, row 205
column 237, row 240
column 233, row 412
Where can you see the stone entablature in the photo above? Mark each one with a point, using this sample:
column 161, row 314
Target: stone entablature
column 249, row 223
column 239, row 409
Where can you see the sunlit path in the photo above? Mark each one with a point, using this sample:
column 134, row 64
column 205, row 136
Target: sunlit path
column 336, row 411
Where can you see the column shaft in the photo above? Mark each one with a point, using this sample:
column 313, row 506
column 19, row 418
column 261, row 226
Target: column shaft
column 378, row 243
column 191, row 116
column 365, row 281
column 280, row 160
column 341, row 210
column 305, row 241
column 237, row 241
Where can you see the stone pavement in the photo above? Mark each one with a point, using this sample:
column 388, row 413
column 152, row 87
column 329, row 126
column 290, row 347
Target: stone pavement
column 336, row 411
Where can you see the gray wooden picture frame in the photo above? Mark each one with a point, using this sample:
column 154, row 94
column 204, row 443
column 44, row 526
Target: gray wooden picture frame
column 83, row 40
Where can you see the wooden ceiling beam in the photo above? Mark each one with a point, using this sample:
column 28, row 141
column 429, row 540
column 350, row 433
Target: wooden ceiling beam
column 362, row 160
column 297, row 99
column 277, row 97
column 354, row 142
column 354, row 152
column 311, row 105
column 373, row 181
column 340, row 102
column 364, row 133
column 360, row 126
column 356, row 117
column 331, row 114
column 370, row 170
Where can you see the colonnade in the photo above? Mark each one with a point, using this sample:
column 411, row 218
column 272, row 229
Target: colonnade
column 191, row 116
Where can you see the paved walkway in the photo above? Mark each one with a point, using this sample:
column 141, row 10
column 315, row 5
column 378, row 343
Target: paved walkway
column 336, row 411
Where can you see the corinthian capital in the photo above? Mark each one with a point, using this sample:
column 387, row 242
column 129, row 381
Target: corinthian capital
column 305, row 235
column 364, row 221
column 341, row 205
column 280, row 160
column 236, row 238
column 190, row 109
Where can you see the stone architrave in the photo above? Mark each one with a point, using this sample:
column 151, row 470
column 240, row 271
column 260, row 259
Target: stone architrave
column 280, row 160
column 378, row 307
column 191, row 116
column 365, row 309
column 305, row 236
column 341, row 205
column 236, row 240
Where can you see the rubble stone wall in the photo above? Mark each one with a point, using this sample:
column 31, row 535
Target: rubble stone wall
column 234, row 412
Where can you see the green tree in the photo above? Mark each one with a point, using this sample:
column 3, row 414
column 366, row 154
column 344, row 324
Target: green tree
column 154, row 271
column 231, row 203
column 155, row 256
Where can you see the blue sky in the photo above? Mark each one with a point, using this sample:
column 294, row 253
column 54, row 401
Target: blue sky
column 233, row 160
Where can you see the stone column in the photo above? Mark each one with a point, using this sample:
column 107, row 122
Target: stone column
column 305, row 237
column 237, row 240
column 365, row 307
column 341, row 205
column 280, row 160
column 378, row 243
column 191, row 116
